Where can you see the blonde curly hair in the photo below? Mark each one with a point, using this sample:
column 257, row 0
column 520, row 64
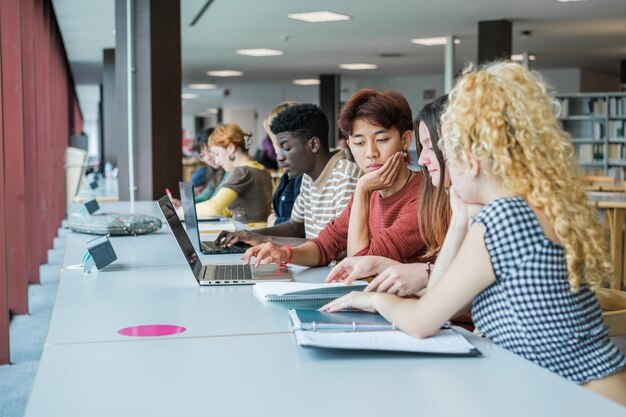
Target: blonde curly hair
column 503, row 115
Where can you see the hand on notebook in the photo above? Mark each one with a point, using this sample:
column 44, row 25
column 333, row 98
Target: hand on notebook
column 227, row 239
column 355, row 300
column 401, row 279
column 266, row 253
column 359, row 267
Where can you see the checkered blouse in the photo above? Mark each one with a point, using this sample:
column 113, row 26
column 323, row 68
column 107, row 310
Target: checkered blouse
column 530, row 309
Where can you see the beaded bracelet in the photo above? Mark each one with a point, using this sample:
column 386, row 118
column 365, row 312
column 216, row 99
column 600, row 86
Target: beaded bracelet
column 284, row 263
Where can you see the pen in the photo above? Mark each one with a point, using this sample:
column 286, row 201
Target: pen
column 169, row 194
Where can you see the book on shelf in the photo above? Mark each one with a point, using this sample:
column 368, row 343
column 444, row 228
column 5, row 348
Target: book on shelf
column 446, row 341
column 304, row 291
column 598, row 130
column 617, row 106
column 617, row 128
column 616, row 151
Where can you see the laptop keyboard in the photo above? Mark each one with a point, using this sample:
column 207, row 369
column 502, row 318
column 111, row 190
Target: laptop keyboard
column 212, row 247
column 232, row 273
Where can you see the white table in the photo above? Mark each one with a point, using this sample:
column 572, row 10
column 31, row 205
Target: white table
column 238, row 356
column 269, row 375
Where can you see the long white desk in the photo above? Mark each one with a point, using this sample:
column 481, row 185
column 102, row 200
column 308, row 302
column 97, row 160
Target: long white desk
column 238, row 356
column 269, row 375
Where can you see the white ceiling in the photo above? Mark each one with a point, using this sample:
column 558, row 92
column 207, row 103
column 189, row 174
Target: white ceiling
column 590, row 34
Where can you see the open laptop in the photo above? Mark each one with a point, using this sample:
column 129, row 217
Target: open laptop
column 188, row 199
column 218, row 274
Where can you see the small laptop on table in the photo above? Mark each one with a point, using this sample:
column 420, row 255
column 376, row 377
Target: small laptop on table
column 220, row 274
column 188, row 199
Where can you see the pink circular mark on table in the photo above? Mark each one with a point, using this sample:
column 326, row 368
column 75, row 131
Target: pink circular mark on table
column 149, row 330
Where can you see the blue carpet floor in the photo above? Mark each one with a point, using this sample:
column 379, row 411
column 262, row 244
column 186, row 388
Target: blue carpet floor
column 27, row 335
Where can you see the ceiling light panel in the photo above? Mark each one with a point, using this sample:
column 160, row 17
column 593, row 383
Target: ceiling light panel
column 202, row 86
column 520, row 57
column 307, row 81
column 441, row 40
column 225, row 73
column 188, row 96
column 259, row 52
column 360, row 66
column 318, row 17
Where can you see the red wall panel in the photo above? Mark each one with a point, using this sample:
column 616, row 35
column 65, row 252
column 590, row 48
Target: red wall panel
column 4, row 291
column 31, row 148
column 15, row 209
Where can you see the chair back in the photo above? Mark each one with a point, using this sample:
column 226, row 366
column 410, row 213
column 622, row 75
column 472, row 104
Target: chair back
column 598, row 180
column 613, row 304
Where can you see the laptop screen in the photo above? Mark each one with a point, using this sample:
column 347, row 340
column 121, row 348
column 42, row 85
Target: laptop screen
column 191, row 256
column 188, row 198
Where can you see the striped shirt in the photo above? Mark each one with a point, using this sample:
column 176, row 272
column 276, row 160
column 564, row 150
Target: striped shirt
column 322, row 200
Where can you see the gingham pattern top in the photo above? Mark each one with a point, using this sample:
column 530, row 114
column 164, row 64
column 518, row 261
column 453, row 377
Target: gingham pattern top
column 530, row 309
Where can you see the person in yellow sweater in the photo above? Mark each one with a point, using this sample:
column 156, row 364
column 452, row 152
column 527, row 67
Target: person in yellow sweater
column 247, row 193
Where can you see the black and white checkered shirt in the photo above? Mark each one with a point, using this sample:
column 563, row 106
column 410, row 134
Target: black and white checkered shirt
column 530, row 309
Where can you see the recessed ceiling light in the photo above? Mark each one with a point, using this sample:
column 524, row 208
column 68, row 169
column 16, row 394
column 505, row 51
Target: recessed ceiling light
column 213, row 110
column 317, row 17
column 440, row 40
column 358, row 66
column 259, row 52
column 570, row 1
column 307, row 81
column 520, row 57
column 188, row 96
column 225, row 73
column 202, row 86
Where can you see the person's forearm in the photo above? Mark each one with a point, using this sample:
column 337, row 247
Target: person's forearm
column 404, row 313
column 452, row 243
column 289, row 228
column 286, row 241
column 358, row 227
column 307, row 254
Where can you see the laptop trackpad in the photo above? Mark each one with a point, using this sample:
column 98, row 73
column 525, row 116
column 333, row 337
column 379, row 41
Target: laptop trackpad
column 271, row 272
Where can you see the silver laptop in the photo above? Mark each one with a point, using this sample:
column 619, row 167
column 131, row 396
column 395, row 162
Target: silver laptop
column 188, row 199
column 219, row 274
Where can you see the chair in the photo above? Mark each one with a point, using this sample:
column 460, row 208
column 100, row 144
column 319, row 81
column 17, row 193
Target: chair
column 613, row 304
column 75, row 164
column 597, row 180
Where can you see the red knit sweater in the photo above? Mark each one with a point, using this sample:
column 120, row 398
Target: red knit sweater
column 393, row 227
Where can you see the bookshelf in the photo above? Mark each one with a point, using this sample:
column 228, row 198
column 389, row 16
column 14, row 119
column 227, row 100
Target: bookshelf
column 596, row 123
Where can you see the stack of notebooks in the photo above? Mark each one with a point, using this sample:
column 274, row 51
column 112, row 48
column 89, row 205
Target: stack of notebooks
column 356, row 330
column 360, row 330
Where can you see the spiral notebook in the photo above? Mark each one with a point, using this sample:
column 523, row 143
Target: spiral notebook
column 356, row 330
column 304, row 291
column 342, row 321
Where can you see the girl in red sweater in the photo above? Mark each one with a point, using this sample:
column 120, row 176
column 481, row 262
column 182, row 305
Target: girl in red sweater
column 381, row 218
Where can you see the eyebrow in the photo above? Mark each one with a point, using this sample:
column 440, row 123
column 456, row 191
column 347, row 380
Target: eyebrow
column 378, row 132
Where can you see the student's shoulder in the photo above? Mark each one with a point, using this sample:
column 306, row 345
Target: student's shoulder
column 505, row 213
column 239, row 173
column 347, row 168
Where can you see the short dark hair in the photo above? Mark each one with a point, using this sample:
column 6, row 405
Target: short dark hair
column 386, row 108
column 303, row 122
